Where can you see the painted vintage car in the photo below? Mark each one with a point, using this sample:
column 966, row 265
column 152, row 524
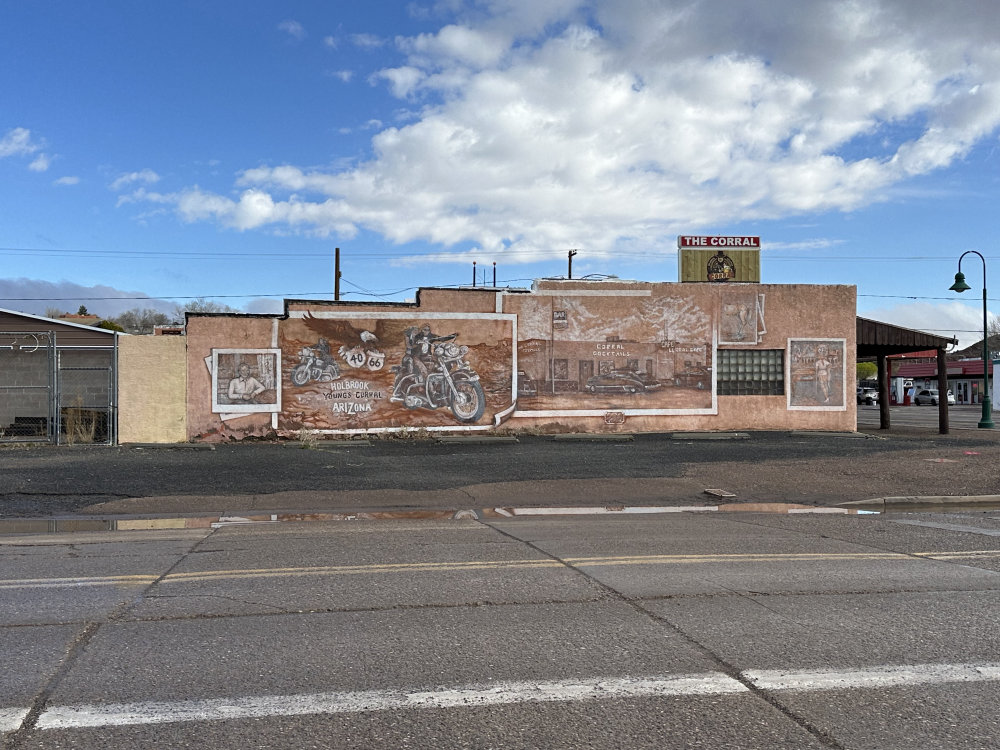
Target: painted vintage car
column 526, row 386
column 694, row 377
column 623, row 381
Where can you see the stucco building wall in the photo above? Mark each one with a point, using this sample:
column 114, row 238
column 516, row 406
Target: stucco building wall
column 208, row 332
column 152, row 389
column 692, row 326
column 692, row 356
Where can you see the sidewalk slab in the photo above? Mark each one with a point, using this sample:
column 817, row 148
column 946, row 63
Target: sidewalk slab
column 710, row 436
column 23, row 527
column 595, row 437
column 915, row 502
column 476, row 439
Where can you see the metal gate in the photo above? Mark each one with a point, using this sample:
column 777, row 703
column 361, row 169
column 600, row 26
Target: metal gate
column 28, row 386
column 85, row 395
column 62, row 395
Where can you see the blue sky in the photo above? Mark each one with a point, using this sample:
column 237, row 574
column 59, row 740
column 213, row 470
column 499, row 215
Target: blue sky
column 223, row 150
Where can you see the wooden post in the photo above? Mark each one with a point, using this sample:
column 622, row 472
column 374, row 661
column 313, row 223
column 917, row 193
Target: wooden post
column 942, row 373
column 336, row 274
column 883, row 392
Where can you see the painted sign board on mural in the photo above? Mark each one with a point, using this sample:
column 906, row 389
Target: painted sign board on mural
column 355, row 372
column 245, row 381
column 817, row 374
column 621, row 354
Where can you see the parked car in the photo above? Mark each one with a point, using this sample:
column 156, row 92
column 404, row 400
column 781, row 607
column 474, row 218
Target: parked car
column 694, row 377
column 623, row 381
column 930, row 396
column 868, row 396
column 525, row 385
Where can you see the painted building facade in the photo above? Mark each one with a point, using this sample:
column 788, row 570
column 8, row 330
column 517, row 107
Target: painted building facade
column 563, row 356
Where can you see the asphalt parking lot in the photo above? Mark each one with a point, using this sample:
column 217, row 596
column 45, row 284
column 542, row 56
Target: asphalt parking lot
column 961, row 417
column 809, row 468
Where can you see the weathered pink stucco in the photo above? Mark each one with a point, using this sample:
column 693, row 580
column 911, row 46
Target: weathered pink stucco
column 588, row 356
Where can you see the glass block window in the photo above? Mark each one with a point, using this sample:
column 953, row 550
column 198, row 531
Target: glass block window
column 751, row 372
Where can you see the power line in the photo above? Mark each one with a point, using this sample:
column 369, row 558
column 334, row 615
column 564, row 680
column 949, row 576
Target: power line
column 459, row 256
column 383, row 293
column 196, row 296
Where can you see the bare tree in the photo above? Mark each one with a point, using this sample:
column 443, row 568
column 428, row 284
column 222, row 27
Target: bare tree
column 141, row 320
column 202, row 305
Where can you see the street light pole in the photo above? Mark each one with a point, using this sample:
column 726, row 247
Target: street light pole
column 960, row 286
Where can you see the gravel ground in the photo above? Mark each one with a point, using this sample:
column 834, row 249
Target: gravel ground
column 786, row 467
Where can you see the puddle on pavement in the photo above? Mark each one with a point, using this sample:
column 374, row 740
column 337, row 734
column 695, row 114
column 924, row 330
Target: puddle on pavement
column 945, row 508
column 54, row 525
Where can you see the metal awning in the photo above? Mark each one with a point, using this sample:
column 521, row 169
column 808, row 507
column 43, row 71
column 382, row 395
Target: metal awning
column 879, row 340
column 876, row 338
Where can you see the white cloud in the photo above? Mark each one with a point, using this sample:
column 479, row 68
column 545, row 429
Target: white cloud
column 265, row 306
column 68, row 180
column 18, row 142
column 35, row 296
column 814, row 244
column 459, row 44
column 294, row 29
column 40, row 163
column 343, row 75
column 403, row 81
column 367, row 41
column 330, row 42
column 645, row 120
column 147, row 176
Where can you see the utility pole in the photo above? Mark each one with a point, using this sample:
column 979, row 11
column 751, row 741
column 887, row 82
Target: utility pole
column 571, row 254
column 473, row 273
column 336, row 274
column 494, row 274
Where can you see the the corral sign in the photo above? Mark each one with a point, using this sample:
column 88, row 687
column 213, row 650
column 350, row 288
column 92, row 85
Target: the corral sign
column 717, row 242
column 718, row 258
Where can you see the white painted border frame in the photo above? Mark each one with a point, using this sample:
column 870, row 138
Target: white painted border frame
column 241, row 409
column 415, row 314
column 757, row 313
column 713, row 410
column 788, row 375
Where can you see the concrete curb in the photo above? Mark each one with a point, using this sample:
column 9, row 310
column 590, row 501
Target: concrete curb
column 168, row 446
column 152, row 522
column 613, row 437
column 709, row 436
column 897, row 503
column 845, row 435
column 475, row 439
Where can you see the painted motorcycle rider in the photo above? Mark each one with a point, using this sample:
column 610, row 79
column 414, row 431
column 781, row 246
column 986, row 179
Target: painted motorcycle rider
column 419, row 345
column 433, row 373
column 323, row 347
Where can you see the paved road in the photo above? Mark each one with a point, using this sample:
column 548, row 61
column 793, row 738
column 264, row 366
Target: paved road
column 687, row 631
column 419, row 474
column 923, row 417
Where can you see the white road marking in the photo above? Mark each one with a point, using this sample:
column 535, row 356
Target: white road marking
column 502, row 693
column 601, row 511
column 11, row 718
column 883, row 676
column 949, row 527
column 218, row 709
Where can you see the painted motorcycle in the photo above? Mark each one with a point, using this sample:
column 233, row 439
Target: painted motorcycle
column 434, row 374
column 314, row 366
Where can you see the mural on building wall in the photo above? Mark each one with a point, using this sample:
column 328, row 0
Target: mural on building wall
column 394, row 370
column 245, row 381
column 816, row 374
column 621, row 354
column 741, row 318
